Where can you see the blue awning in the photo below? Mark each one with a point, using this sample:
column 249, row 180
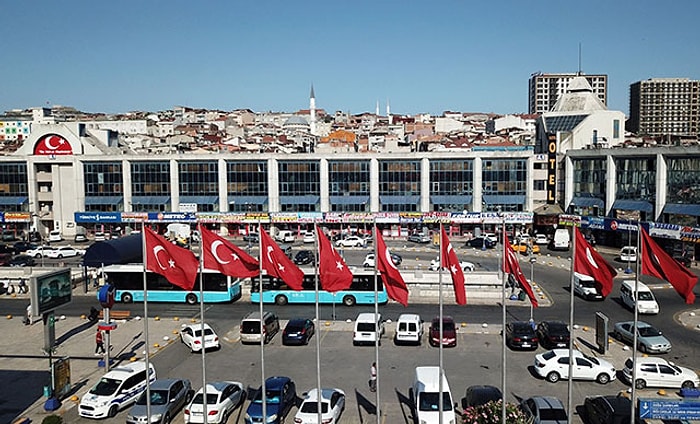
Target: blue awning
column 451, row 199
column 682, row 209
column 399, row 200
column 588, row 202
column 242, row 200
column 150, row 200
column 124, row 250
column 307, row 199
column 349, row 200
column 200, row 200
column 13, row 200
column 633, row 205
column 504, row 199
column 104, row 200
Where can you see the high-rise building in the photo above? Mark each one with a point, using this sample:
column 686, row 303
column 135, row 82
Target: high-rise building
column 665, row 106
column 546, row 89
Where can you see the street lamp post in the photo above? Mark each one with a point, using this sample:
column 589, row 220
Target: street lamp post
column 532, row 278
column 629, row 239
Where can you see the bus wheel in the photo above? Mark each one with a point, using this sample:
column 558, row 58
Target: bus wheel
column 191, row 298
column 127, row 298
column 349, row 301
column 281, row 300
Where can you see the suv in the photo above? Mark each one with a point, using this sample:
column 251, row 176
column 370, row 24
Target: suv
column 250, row 327
column 116, row 389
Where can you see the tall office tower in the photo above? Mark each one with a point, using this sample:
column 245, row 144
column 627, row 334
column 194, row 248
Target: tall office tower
column 665, row 106
column 545, row 89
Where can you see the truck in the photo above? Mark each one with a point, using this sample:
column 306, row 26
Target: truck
column 561, row 240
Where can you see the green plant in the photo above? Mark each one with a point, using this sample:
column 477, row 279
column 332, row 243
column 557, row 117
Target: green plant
column 52, row 419
column 491, row 413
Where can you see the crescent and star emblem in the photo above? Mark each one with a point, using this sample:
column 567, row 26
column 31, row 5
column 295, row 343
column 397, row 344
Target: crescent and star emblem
column 157, row 250
column 339, row 265
column 50, row 146
column 270, row 249
column 214, row 253
column 590, row 259
column 387, row 255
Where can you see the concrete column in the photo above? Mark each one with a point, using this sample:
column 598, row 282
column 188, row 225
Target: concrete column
column 374, row 185
column 568, row 183
column 478, row 196
column 325, row 185
column 273, row 199
column 530, row 184
column 223, row 186
column 424, row 185
column 610, row 184
column 661, row 185
column 174, row 186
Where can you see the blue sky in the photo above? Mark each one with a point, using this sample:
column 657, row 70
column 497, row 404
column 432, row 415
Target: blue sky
column 117, row 56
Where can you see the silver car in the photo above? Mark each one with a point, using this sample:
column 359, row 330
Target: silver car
column 649, row 339
column 168, row 396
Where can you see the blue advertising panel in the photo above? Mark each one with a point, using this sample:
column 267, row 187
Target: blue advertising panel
column 98, row 217
column 669, row 409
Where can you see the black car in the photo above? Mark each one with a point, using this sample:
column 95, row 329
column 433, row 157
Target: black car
column 521, row 335
column 23, row 246
column 22, row 260
column 7, row 249
column 611, row 409
column 480, row 395
column 478, row 242
column 304, row 257
column 553, row 334
column 252, row 237
column 298, row 331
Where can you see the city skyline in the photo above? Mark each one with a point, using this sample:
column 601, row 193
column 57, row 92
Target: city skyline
column 449, row 56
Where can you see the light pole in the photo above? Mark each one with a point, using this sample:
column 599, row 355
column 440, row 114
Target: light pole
column 533, row 260
column 629, row 239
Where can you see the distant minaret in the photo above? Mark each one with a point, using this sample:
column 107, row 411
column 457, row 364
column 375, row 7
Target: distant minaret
column 312, row 111
column 388, row 112
column 376, row 111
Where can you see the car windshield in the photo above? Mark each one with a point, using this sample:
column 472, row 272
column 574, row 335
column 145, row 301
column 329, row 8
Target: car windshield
column 552, row 414
column 250, row 327
column 212, row 398
column 549, row 355
column 207, row 332
column 558, row 328
column 649, row 332
column 295, row 327
column 311, row 407
column 645, row 296
column 429, row 401
column 271, row 397
column 365, row 326
column 158, row 397
column 105, row 387
column 592, row 359
column 522, row 327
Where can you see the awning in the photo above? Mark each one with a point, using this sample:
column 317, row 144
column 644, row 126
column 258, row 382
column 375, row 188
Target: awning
column 633, row 205
column 399, row 200
column 451, row 199
column 150, row 200
column 349, row 200
column 124, row 250
column 200, row 200
column 242, row 200
column 104, row 200
column 588, row 202
column 548, row 210
column 13, row 200
column 682, row 209
column 504, row 199
column 308, row 199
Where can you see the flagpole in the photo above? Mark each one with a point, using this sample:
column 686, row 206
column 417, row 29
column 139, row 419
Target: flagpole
column 317, row 258
column 262, row 321
column 504, row 278
column 201, row 327
column 634, row 330
column 145, row 321
column 570, row 386
column 376, row 314
column 440, row 352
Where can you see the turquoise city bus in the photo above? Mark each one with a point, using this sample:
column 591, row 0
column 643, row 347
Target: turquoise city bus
column 128, row 281
column 360, row 292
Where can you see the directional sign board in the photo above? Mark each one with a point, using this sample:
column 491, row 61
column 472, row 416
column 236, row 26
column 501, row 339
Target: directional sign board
column 669, row 409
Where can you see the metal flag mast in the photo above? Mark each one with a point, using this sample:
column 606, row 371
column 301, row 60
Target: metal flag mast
column 316, row 261
column 570, row 386
column 262, row 323
column 634, row 331
column 145, row 322
column 376, row 316
column 440, row 314
column 201, row 327
column 504, row 279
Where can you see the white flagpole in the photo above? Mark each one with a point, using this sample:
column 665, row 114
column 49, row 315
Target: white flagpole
column 376, row 314
column 317, row 258
column 504, row 279
column 201, row 328
column 634, row 330
column 262, row 339
column 145, row 321
column 442, row 337
column 570, row 386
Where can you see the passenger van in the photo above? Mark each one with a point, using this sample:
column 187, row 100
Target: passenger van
column 426, row 396
column 285, row 236
column 250, row 327
column 409, row 329
column 646, row 302
column 118, row 388
column 368, row 328
column 586, row 287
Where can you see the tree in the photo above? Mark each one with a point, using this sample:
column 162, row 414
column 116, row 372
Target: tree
column 490, row 413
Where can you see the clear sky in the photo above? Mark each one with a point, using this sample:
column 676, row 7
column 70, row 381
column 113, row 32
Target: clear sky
column 429, row 56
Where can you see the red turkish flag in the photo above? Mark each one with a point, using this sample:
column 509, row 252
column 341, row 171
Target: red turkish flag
column 450, row 261
column 589, row 262
column 393, row 282
column 277, row 264
column 176, row 264
column 332, row 270
column 657, row 263
column 222, row 255
column 512, row 266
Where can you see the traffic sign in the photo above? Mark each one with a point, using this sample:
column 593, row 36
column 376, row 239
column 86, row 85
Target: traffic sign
column 669, row 409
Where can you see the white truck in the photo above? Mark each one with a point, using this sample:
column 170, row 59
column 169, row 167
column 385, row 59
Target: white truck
column 561, row 239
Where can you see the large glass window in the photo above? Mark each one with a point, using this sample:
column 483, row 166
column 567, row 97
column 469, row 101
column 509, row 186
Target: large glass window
column 299, row 186
column 104, row 186
column 399, row 185
column 150, row 185
column 683, row 180
column 589, row 178
column 349, row 186
column 13, row 183
column 247, row 186
column 199, row 180
column 504, row 181
column 451, row 184
column 636, row 179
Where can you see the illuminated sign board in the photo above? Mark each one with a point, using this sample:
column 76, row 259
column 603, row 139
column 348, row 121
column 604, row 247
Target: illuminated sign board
column 551, row 169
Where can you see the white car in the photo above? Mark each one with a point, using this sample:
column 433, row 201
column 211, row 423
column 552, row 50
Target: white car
column 369, row 260
column 541, row 239
column 554, row 366
column 332, row 406
column 309, row 237
column 491, row 236
column 39, row 252
column 191, row 336
column 628, row 254
column 222, row 398
column 55, row 235
column 653, row 371
column 352, row 241
column 63, row 252
column 466, row 266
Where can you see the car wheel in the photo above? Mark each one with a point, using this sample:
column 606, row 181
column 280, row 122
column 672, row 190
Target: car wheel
column 127, row 298
column 112, row 411
column 603, row 378
column 553, row 377
column 191, row 299
column 281, row 300
column 60, row 256
column 687, row 385
column 640, row 384
column 38, row 255
column 349, row 301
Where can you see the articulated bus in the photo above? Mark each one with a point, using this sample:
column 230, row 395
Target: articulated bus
column 128, row 280
column 360, row 292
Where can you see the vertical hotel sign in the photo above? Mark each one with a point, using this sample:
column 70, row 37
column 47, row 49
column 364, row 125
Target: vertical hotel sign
column 551, row 169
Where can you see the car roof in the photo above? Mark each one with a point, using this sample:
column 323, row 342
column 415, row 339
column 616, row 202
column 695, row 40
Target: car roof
column 547, row 402
column 409, row 317
column 276, row 382
column 218, row 386
column 164, row 384
column 197, row 326
column 367, row 316
column 297, row 321
column 326, row 393
column 640, row 324
column 445, row 318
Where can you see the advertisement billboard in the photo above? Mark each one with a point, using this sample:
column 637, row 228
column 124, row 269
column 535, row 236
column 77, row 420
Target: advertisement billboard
column 50, row 290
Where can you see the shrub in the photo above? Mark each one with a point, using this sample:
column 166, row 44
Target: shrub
column 490, row 413
column 52, row 419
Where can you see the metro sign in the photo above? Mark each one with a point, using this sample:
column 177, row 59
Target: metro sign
column 52, row 145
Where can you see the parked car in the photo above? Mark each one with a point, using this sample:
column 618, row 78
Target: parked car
column 466, row 266
column 369, row 260
column 80, row 238
column 480, row 395
column 168, row 396
column 609, row 409
column 280, row 396
column 419, row 238
column 544, row 410
column 252, row 237
column 449, row 332
column 5, row 259
column 553, row 334
column 541, row 239
column 332, row 406
column 369, row 329
column 7, row 249
column 39, row 252
column 521, row 335
column 304, row 257
column 478, row 243
column 99, row 236
column 223, row 397
column 649, row 339
column 525, row 248
column 55, row 235
column 298, row 331
column 554, row 365
column 492, row 237
column 23, row 246
column 22, row 260
column 191, row 336
column 63, row 252
column 409, row 329
column 309, row 237
column 352, row 241
column 653, row 371
column 628, row 254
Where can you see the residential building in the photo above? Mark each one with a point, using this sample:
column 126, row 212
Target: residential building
column 665, row 107
column 546, row 89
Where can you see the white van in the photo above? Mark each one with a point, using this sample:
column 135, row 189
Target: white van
column 285, row 236
column 368, row 329
column 55, row 235
column 115, row 390
column 409, row 329
column 586, row 287
column 426, row 396
column 561, row 239
column 646, row 302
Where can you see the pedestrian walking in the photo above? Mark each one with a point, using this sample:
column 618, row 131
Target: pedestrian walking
column 99, row 343
column 373, row 377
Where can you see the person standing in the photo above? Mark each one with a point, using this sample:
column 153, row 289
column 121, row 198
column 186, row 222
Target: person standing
column 99, row 343
column 373, row 377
